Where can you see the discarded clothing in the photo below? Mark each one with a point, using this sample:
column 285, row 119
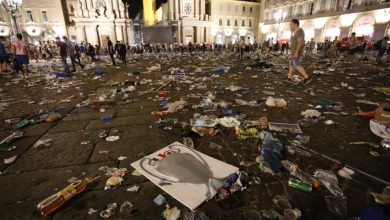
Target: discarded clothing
column 271, row 151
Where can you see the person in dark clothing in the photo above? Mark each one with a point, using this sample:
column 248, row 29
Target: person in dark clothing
column 116, row 47
column 110, row 49
column 91, row 52
column 122, row 52
column 62, row 48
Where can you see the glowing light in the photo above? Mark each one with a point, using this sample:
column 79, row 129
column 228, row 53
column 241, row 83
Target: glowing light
column 309, row 33
column 265, row 29
column 33, row 30
column 228, row 31
column 280, row 15
column 149, row 12
column 347, row 19
column 286, row 34
column 214, row 30
column 242, row 32
column 332, row 32
column 382, row 16
column 364, row 30
column 319, row 22
column 59, row 31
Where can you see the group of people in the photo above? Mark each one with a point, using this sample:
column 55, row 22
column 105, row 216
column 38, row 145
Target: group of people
column 15, row 57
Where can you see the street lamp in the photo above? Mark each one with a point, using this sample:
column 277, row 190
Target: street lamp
column 13, row 7
column 279, row 17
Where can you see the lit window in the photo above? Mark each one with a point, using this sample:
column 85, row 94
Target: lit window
column 243, row 9
column 44, row 16
column 250, row 9
column 250, row 23
column 30, row 17
column 243, row 23
column 235, row 23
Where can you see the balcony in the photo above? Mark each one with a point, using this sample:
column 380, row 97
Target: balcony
column 334, row 12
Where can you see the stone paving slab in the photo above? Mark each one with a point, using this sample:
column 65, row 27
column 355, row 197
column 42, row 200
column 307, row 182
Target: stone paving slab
column 87, row 115
column 69, row 126
column 65, row 150
column 142, row 200
column 37, row 185
column 22, row 145
column 121, row 121
column 133, row 147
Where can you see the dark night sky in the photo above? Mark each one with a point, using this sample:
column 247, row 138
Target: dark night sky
column 135, row 6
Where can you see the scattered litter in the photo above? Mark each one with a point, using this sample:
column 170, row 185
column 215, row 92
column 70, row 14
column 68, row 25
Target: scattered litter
column 91, row 211
column 113, row 182
column 112, row 138
column 159, row 200
column 346, row 173
column 121, row 158
column 110, row 211
column 133, row 189
column 43, row 142
column 10, row 160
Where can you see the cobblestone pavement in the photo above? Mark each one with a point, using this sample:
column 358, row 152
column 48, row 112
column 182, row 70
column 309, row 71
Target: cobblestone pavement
column 40, row 172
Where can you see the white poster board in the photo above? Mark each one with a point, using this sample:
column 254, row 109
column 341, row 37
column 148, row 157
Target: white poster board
column 190, row 194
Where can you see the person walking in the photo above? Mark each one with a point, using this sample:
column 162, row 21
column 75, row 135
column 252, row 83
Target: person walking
column 21, row 53
column 62, row 50
column 334, row 47
column 4, row 58
column 297, row 46
column 352, row 41
column 382, row 49
column 72, row 54
column 110, row 49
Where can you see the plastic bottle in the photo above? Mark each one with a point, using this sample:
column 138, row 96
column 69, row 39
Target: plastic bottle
column 300, row 185
column 55, row 201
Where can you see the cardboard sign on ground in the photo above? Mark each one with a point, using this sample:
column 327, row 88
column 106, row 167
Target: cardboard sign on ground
column 184, row 173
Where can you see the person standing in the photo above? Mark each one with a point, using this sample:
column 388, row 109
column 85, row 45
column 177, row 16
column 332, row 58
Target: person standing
column 297, row 46
column 21, row 53
column 110, row 49
column 62, row 50
column 352, row 44
column 72, row 54
column 122, row 52
column 382, row 48
column 4, row 58
column 334, row 47
column 91, row 52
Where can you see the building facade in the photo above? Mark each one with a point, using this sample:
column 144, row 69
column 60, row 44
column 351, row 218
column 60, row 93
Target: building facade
column 327, row 19
column 233, row 20
column 210, row 21
column 38, row 20
column 93, row 21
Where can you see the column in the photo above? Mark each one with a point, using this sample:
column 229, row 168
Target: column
column 80, row 33
column 379, row 31
column 171, row 6
column 344, row 32
column 119, row 33
column 318, row 35
column 89, row 7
